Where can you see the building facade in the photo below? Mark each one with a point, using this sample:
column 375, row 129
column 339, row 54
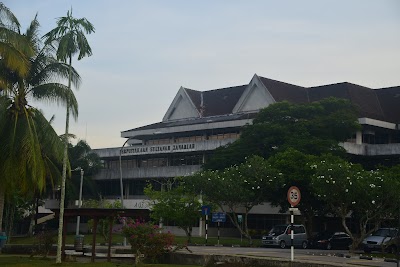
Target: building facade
column 196, row 123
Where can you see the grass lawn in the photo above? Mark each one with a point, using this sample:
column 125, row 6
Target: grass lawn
column 117, row 238
column 21, row 261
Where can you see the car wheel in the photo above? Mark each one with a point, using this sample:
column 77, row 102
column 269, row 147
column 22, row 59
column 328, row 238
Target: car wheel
column 282, row 244
column 304, row 245
column 329, row 246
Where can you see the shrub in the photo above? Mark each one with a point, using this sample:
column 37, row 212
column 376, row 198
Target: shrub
column 43, row 243
column 146, row 240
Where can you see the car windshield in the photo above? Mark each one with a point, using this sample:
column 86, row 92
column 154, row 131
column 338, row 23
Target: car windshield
column 278, row 230
column 385, row 232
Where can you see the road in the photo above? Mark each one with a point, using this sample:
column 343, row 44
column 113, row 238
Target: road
column 323, row 256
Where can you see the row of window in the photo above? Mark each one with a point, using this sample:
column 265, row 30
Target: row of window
column 372, row 137
column 176, row 160
column 188, row 139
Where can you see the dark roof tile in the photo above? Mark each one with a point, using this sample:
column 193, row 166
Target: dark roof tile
column 364, row 98
column 281, row 91
column 389, row 99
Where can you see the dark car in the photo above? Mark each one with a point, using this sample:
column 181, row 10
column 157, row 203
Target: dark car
column 331, row 240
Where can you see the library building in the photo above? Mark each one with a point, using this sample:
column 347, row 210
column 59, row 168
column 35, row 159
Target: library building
column 198, row 122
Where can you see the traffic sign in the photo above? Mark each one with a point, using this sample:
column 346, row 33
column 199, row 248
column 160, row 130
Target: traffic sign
column 218, row 217
column 293, row 196
column 205, row 210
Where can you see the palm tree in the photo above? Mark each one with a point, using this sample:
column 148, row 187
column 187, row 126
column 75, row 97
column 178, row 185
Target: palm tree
column 30, row 148
column 69, row 35
column 14, row 48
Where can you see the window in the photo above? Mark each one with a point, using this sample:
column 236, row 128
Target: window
column 186, row 160
column 299, row 230
column 153, row 162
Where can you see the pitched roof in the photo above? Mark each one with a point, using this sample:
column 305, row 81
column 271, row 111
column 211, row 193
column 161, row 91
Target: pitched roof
column 216, row 102
column 380, row 104
column 389, row 99
column 364, row 98
column 193, row 121
column 281, row 91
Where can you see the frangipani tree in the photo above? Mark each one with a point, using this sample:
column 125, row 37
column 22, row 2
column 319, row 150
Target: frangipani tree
column 236, row 190
column 295, row 170
column 349, row 190
column 175, row 204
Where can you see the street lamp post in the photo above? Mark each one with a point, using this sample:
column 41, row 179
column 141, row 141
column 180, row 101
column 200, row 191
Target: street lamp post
column 78, row 219
column 120, row 180
column 120, row 173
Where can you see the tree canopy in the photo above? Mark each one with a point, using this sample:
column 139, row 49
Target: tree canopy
column 237, row 189
column 348, row 189
column 30, row 148
column 313, row 128
column 175, row 205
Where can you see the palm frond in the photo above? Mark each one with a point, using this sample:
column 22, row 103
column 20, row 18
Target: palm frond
column 7, row 18
column 57, row 93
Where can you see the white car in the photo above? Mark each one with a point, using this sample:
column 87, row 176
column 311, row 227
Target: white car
column 280, row 236
column 383, row 239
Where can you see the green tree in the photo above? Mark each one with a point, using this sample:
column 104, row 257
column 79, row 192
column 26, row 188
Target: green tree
column 31, row 149
column 313, row 128
column 237, row 189
column 82, row 156
column 15, row 50
column 175, row 204
column 295, row 169
column 70, row 39
column 347, row 188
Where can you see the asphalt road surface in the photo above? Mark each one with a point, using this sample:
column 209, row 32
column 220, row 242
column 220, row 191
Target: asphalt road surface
column 341, row 257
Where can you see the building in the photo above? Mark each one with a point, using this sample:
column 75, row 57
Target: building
column 196, row 123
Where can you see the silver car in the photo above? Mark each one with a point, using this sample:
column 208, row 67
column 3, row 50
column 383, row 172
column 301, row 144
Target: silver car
column 280, row 236
column 383, row 239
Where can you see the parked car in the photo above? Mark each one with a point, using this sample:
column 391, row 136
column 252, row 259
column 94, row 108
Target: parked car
column 280, row 236
column 383, row 239
column 330, row 240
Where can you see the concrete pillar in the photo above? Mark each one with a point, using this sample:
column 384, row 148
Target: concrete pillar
column 358, row 137
column 201, row 226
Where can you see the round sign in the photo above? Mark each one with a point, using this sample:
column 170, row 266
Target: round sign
column 293, row 196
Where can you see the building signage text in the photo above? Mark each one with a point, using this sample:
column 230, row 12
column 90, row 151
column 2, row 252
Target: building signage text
column 158, row 149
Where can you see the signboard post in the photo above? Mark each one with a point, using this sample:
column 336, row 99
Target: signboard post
column 218, row 217
column 293, row 197
column 206, row 210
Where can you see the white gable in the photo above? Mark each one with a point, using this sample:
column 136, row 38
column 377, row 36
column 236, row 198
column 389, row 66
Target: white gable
column 255, row 97
column 181, row 107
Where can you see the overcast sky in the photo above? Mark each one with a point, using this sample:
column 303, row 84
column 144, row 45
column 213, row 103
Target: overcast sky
column 143, row 51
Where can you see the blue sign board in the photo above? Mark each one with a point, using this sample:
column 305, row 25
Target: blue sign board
column 218, row 217
column 205, row 210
